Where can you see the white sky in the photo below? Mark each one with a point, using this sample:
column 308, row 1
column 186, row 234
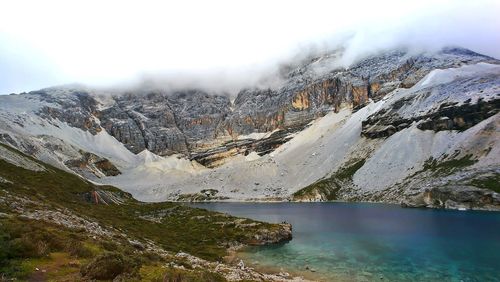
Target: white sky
column 43, row 43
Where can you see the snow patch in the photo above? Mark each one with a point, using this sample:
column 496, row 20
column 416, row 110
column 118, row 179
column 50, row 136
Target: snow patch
column 443, row 76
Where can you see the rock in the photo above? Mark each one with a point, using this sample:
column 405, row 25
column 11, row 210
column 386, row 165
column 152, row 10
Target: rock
column 76, row 106
column 217, row 156
column 74, row 263
column 144, row 121
column 209, row 192
column 91, row 163
column 265, row 236
column 104, row 197
column 202, row 196
column 18, row 160
column 284, row 274
column 138, row 245
column 461, row 197
column 241, row 265
column 448, row 116
column 5, row 181
column 460, row 117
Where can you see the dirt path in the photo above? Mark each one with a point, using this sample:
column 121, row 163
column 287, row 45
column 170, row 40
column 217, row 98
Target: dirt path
column 60, row 267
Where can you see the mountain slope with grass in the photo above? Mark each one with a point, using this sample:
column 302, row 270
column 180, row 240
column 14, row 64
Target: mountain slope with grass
column 58, row 226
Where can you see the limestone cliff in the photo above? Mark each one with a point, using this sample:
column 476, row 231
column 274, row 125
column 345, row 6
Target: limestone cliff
column 392, row 127
column 195, row 122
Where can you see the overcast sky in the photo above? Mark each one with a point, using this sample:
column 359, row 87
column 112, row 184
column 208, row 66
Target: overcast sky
column 45, row 43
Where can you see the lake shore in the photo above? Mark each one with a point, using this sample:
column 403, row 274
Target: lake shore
column 367, row 242
column 241, row 255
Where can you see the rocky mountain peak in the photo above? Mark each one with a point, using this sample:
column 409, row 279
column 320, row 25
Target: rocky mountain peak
column 192, row 121
column 322, row 122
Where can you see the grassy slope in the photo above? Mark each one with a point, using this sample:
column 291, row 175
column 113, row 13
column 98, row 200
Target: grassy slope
column 329, row 186
column 60, row 254
column 196, row 231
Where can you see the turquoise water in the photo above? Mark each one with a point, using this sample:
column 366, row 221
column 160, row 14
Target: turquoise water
column 377, row 242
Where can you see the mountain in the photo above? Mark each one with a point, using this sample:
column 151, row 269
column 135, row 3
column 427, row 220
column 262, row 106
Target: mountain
column 56, row 226
column 419, row 129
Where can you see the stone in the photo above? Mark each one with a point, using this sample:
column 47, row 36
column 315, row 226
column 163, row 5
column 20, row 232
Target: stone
column 94, row 164
column 460, row 197
column 241, row 265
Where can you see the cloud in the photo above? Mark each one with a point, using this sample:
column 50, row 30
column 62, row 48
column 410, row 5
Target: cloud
column 469, row 24
column 222, row 45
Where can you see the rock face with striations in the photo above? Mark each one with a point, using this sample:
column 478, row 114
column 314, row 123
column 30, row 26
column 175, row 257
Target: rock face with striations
column 427, row 122
column 478, row 100
column 310, row 91
column 207, row 126
column 165, row 123
column 90, row 162
column 144, row 122
column 74, row 106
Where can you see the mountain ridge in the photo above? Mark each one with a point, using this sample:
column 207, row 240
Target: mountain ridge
column 192, row 127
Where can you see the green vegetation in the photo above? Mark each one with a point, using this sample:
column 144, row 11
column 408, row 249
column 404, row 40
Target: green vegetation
column 107, row 266
column 27, row 244
column 157, row 273
column 203, row 195
column 327, row 188
column 449, row 166
column 348, row 172
column 491, row 182
column 172, row 226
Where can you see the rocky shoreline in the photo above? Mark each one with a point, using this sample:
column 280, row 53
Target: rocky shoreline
column 235, row 269
column 466, row 198
column 237, row 258
column 457, row 198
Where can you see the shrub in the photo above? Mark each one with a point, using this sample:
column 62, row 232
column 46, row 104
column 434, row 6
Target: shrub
column 105, row 266
column 109, row 265
column 6, row 251
column 109, row 246
column 77, row 249
column 26, row 247
column 179, row 275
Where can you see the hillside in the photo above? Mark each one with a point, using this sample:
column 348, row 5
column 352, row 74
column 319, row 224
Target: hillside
column 419, row 129
column 55, row 225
